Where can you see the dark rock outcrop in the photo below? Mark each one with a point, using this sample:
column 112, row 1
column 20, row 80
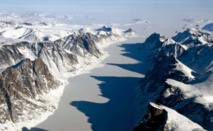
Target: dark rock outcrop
column 154, row 120
column 81, row 43
column 10, row 55
column 128, row 31
column 84, row 43
column 105, row 29
column 208, row 27
column 22, row 83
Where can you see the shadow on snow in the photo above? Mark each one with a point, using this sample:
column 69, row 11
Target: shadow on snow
column 32, row 129
column 118, row 113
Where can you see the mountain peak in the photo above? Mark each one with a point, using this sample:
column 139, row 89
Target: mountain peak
column 208, row 27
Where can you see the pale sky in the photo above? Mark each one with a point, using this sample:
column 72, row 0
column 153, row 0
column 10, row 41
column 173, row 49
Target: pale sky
column 100, row 5
column 148, row 9
column 65, row 5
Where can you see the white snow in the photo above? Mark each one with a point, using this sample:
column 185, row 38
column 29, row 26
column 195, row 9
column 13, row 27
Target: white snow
column 117, row 31
column 184, row 47
column 58, row 35
column 202, row 92
column 1, row 70
column 202, row 40
column 178, row 122
column 183, row 68
column 15, row 33
column 53, row 32
column 168, row 41
column 87, row 29
column 27, row 53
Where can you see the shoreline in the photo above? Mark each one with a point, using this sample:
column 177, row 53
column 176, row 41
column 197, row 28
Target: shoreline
column 57, row 93
column 88, row 90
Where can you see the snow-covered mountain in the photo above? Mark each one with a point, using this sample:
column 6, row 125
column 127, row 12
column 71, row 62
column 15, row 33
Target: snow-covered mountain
column 22, row 86
column 208, row 27
column 35, row 63
column 180, row 78
column 159, row 117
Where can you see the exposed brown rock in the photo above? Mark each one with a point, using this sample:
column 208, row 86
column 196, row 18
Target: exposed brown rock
column 27, row 79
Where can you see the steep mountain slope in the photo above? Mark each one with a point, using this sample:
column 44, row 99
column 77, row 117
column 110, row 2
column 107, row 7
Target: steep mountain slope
column 180, row 76
column 22, row 87
column 60, row 54
column 53, row 55
column 34, row 70
column 16, row 33
column 160, row 118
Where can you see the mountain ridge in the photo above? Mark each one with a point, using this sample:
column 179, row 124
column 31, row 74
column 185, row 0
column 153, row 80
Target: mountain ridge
column 177, row 74
column 34, row 72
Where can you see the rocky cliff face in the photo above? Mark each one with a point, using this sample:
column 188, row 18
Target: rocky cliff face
column 180, row 75
column 60, row 55
column 10, row 55
column 81, row 44
column 161, row 118
column 20, row 86
column 32, row 69
column 54, row 56
column 154, row 120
